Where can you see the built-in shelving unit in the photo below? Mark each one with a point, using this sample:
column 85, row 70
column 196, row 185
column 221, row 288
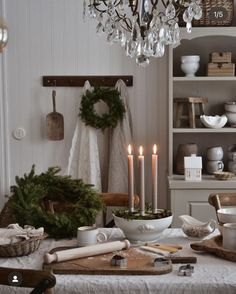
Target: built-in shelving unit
column 192, row 197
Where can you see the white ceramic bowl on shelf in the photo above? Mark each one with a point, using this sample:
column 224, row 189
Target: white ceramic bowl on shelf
column 213, row 122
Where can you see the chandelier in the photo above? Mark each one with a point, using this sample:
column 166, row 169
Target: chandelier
column 142, row 27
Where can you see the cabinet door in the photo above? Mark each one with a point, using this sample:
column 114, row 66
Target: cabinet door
column 194, row 203
column 201, row 210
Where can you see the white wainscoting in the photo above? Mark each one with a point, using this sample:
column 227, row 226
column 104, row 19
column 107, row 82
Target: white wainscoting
column 50, row 38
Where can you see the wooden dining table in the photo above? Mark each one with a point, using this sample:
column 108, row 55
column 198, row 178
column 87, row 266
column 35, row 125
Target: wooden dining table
column 212, row 274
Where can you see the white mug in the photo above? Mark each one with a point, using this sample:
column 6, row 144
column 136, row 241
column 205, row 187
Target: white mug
column 229, row 236
column 214, row 165
column 215, row 153
column 89, row 235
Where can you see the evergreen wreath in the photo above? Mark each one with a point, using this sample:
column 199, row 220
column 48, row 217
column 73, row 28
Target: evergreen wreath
column 112, row 98
column 31, row 190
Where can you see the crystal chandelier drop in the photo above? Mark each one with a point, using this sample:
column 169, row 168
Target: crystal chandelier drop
column 142, row 27
column 3, row 35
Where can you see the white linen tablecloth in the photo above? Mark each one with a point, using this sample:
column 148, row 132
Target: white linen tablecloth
column 212, row 275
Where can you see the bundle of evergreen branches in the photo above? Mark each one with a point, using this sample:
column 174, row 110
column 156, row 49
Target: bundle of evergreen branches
column 31, row 190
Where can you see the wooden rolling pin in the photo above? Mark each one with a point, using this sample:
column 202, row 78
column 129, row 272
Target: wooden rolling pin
column 86, row 251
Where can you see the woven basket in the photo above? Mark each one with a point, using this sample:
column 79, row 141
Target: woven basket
column 21, row 248
column 216, row 13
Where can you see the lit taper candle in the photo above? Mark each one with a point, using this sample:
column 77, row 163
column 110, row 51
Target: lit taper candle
column 154, row 178
column 130, row 179
column 142, row 182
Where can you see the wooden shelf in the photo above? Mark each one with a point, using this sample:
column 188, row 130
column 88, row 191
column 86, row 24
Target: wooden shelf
column 207, row 182
column 202, row 130
column 198, row 32
column 204, row 79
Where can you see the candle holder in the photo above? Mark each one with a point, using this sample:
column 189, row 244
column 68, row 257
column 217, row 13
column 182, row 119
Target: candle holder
column 142, row 228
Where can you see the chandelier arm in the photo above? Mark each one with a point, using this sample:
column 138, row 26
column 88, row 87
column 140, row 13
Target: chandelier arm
column 164, row 4
column 154, row 3
column 104, row 2
column 125, row 20
column 133, row 8
column 99, row 10
column 96, row 6
column 115, row 3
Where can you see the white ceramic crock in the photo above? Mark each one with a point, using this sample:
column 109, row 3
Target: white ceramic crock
column 143, row 230
column 229, row 236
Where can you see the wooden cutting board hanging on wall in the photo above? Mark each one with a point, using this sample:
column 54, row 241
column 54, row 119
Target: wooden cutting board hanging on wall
column 55, row 122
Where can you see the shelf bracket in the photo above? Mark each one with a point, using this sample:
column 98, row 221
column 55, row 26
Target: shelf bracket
column 78, row 81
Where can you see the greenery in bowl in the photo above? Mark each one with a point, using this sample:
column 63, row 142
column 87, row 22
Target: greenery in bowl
column 149, row 215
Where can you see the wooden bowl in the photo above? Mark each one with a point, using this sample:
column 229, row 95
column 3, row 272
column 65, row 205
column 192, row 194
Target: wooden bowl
column 223, row 176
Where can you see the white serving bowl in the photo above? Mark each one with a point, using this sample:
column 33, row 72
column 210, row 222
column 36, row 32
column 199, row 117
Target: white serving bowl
column 136, row 230
column 230, row 106
column 213, row 122
column 190, row 58
column 231, row 116
column 227, row 215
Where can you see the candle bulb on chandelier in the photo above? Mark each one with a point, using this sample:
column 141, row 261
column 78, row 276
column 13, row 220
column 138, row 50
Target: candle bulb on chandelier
column 142, row 182
column 154, row 178
column 130, row 179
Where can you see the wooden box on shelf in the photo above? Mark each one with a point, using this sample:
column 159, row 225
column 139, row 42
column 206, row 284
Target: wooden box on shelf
column 221, row 57
column 220, row 69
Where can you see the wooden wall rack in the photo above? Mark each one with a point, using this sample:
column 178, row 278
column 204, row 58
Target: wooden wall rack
column 78, row 81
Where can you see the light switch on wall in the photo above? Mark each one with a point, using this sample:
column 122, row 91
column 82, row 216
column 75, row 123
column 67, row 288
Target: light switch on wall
column 18, row 133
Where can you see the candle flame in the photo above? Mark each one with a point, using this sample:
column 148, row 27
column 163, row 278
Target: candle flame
column 129, row 149
column 141, row 150
column 154, row 149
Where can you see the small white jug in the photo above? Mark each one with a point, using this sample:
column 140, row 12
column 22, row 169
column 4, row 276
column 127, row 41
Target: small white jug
column 194, row 228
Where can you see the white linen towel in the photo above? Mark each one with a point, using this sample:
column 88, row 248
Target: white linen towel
column 120, row 137
column 15, row 233
column 84, row 156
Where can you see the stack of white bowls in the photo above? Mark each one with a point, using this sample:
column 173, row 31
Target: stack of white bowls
column 230, row 108
column 214, row 157
column 227, row 227
column 190, row 64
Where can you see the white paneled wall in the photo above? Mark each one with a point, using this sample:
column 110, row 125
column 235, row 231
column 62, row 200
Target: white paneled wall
column 49, row 37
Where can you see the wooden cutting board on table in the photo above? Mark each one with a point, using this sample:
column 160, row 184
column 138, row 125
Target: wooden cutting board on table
column 138, row 263
column 215, row 246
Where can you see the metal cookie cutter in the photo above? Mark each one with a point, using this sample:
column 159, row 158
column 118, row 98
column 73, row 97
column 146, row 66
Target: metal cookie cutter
column 186, row 270
column 118, row 260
